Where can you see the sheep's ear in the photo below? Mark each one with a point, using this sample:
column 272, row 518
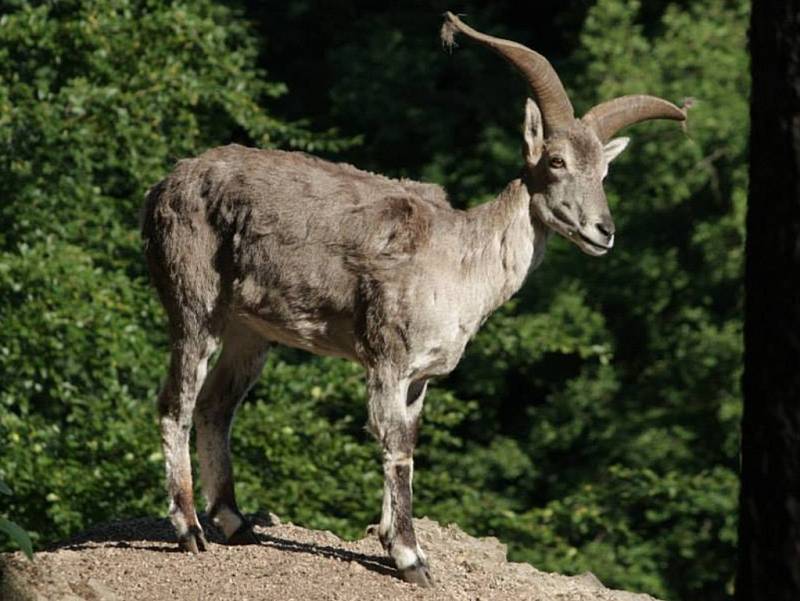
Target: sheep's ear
column 613, row 149
column 533, row 134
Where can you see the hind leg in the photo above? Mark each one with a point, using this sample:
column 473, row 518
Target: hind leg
column 243, row 355
column 176, row 402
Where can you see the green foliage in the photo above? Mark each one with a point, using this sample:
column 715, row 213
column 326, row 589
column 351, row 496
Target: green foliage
column 302, row 451
column 83, row 364
column 97, row 100
column 631, row 526
column 17, row 535
column 593, row 423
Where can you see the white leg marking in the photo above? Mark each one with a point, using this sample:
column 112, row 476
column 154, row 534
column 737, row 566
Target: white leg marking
column 228, row 521
column 403, row 556
column 177, row 519
column 386, row 529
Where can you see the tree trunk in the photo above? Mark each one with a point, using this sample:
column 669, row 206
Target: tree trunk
column 769, row 526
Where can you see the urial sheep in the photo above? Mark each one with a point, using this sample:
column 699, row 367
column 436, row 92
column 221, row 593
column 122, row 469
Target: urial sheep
column 250, row 248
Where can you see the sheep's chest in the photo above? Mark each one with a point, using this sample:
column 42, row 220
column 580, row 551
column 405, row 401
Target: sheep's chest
column 443, row 326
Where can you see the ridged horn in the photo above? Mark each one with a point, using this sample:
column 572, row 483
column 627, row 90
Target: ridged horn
column 546, row 87
column 607, row 118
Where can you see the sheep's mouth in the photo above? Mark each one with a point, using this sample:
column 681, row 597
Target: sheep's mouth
column 572, row 232
column 597, row 245
column 563, row 224
column 585, row 243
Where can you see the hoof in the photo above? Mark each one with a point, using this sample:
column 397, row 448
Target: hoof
column 419, row 574
column 194, row 541
column 243, row 536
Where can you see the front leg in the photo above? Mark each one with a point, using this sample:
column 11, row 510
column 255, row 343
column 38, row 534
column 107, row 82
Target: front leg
column 394, row 411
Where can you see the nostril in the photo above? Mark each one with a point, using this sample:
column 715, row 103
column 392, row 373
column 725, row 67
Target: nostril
column 606, row 228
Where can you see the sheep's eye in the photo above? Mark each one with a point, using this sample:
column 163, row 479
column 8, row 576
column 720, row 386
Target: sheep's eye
column 557, row 163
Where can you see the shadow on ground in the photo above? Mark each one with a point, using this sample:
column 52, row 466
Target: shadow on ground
column 158, row 535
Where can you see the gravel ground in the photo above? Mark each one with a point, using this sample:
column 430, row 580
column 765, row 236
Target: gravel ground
column 137, row 559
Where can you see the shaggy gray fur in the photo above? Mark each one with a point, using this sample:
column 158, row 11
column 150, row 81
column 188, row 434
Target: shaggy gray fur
column 249, row 248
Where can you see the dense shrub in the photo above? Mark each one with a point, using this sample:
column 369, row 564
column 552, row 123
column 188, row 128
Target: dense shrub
column 593, row 423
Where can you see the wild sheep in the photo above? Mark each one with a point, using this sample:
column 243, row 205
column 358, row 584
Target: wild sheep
column 250, row 248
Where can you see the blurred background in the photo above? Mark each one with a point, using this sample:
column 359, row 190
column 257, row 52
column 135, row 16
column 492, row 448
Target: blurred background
column 593, row 423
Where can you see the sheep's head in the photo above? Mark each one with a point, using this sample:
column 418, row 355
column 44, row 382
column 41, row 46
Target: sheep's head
column 567, row 158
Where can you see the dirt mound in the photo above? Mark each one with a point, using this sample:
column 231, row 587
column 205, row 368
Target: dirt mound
column 138, row 559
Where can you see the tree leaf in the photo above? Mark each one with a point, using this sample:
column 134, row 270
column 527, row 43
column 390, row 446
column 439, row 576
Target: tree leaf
column 18, row 535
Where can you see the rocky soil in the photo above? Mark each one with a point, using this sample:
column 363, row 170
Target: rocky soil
column 138, row 559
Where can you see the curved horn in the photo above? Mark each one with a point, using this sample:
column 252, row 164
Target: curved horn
column 545, row 85
column 607, row 118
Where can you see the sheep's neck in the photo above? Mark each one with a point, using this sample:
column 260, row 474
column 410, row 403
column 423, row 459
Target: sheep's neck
column 504, row 242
